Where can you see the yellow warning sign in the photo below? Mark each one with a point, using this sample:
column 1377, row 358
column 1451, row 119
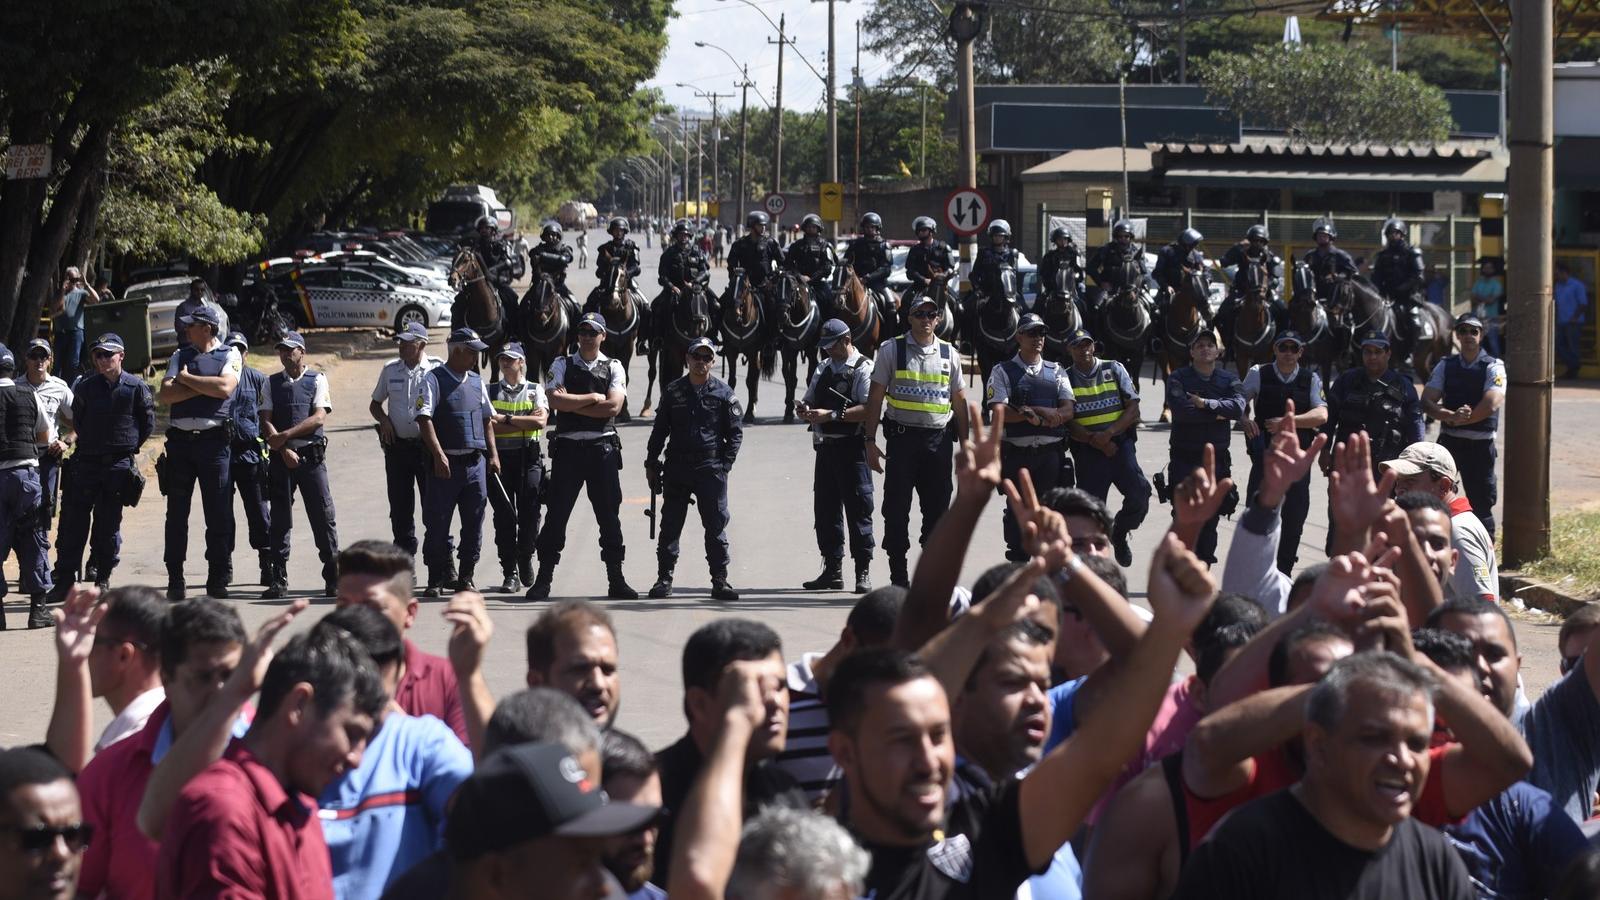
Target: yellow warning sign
column 830, row 201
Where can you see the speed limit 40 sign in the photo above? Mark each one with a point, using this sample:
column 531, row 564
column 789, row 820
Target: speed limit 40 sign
column 967, row 210
column 775, row 204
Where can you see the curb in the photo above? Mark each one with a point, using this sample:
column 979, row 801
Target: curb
column 1549, row 597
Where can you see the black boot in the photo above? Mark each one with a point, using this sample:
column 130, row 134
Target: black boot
column 175, row 587
column 617, row 586
column 509, row 584
column 897, row 572
column 1119, row 543
column 58, row 594
column 277, row 582
column 662, row 589
column 540, row 589
column 525, row 570
column 465, row 582
column 38, row 614
column 217, row 581
column 435, row 586
column 267, row 568
column 831, row 579
column 720, row 589
column 863, row 576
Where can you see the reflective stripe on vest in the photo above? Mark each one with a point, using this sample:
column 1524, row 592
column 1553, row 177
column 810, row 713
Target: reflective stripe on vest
column 520, row 407
column 1090, row 405
column 919, row 395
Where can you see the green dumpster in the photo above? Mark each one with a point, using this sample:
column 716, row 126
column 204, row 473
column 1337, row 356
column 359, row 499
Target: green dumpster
column 129, row 319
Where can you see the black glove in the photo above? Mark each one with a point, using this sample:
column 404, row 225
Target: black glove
column 652, row 475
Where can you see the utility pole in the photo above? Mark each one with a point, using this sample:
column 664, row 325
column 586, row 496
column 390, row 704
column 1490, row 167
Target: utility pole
column 1526, row 523
column 777, row 115
column 966, row 23
column 716, row 140
column 699, row 172
column 922, row 166
column 832, row 168
column 855, row 82
column 683, row 131
column 744, row 186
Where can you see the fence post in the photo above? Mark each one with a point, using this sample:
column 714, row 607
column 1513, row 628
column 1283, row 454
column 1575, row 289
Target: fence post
column 1450, row 275
column 1044, row 227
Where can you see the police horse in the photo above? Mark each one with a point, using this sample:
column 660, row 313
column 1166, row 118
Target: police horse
column 1253, row 327
column 797, row 325
column 688, row 318
column 1309, row 317
column 992, row 323
column 1059, row 307
column 1188, row 311
column 478, row 303
column 623, row 310
column 747, row 328
column 1125, row 320
column 854, row 305
column 546, row 326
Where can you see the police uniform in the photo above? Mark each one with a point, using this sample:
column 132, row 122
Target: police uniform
column 699, row 426
column 405, row 462
column 1099, row 398
column 55, row 404
column 758, row 256
column 607, row 259
column 22, row 420
column 1270, row 390
column 516, row 509
column 552, row 258
column 1386, row 408
column 1037, row 448
column 1327, row 264
column 869, row 257
column 114, row 417
column 922, row 385
column 1193, row 429
column 1106, row 265
column 1397, row 272
column 288, row 402
column 1058, row 259
column 457, row 405
column 247, row 467
column 921, row 260
column 1464, row 383
column 813, row 258
column 200, row 449
column 841, row 477
column 682, row 266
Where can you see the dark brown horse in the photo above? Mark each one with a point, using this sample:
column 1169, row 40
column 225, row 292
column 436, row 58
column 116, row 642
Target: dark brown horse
column 1314, row 323
column 747, row 329
column 477, row 304
column 622, row 308
column 1188, row 311
column 798, row 325
column 1253, row 328
column 688, row 318
column 853, row 305
column 1124, row 326
column 1058, row 307
column 545, row 326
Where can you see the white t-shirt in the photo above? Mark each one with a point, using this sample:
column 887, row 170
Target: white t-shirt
column 320, row 398
column 235, row 365
column 1476, row 573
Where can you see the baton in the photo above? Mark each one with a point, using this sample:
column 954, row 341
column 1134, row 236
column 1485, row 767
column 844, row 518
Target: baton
column 500, row 488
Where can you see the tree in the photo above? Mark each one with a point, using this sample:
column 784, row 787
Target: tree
column 1326, row 93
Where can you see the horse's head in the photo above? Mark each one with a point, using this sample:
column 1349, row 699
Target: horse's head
column 692, row 312
column 745, row 308
column 1009, row 285
column 465, row 267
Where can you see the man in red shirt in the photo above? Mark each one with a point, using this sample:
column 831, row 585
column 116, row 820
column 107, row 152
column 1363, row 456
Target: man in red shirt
column 201, row 642
column 247, row 825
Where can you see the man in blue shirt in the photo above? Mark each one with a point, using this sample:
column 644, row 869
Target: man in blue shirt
column 68, row 323
column 1572, row 311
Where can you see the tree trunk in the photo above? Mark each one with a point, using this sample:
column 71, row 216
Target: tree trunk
column 50, row 240
column 84, row 231
column 20, row 203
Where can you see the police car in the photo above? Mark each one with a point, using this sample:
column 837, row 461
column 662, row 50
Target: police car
column 340, row 295
column 366, row 260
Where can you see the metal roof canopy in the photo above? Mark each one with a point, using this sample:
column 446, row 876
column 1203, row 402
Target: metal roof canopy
column 1466, row 166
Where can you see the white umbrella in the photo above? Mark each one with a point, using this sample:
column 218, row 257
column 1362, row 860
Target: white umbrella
column 1291, row 31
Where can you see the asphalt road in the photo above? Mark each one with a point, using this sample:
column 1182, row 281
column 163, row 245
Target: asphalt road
column 773, row 546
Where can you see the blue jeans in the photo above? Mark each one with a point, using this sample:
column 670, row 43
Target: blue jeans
column 69, row 354
column 1568, row 344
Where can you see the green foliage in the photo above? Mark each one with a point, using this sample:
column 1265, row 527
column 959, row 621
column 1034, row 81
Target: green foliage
column 1326, row 93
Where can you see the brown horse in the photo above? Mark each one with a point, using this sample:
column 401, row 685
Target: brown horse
column 687, row 319
column 1253, row 328
column 545, row 326
column 854, row 305
column 747, row 328
column 1314, row 323
column 797, row 327
column 476, row 297
column 621, row 307
column 1188, row 311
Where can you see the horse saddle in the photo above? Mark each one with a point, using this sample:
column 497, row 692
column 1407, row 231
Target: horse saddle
column 1414, row 324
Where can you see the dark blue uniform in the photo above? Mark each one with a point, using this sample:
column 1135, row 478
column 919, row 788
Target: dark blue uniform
column 1472, row 446
column 1386, row 408
column 201, row 455
column 1037, row 448
column 552, row 258
column 841, row 478
column 248, row 466
column 20, row 491
column 813, row 258
column 113, row 420
column 922, row 259
column 1193, row 429
column 1326, row 266
column 871, row 260
column 585, row 451
column 985, row 275
column 1171, row 262
column 1107, row 265
column 458, row 408
column 700, row 428
column 1305, row 389
column 759, row 257
column 292, row 402
column 684, row 267
column 1397, row 272
column 609, row 257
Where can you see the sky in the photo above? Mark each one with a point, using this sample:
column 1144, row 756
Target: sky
column 743, row 32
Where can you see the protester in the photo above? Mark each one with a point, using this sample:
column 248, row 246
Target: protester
column 572, row 647
column 1429, row 468
column 125, row 660
column 628, row 774
column 46, row 833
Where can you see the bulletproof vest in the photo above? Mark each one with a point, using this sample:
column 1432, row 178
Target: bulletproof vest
column 1032, row 390
column 458, row 412
column 102, row 412
column 1275, row 395
column 919, row 392
column 499, row 398
column 867, row 255
column 246, row 404
column 1096, row 397
column 1195, row 435
column 696, row 421
column 1373, row 405
column 207, row 363
column 1465, row 386
column 291, row 400
column 829, row 382
column 808, row 256
column 579, row 380
column 19, row 424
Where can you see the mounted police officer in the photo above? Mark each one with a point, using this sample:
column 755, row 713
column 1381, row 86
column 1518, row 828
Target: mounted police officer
column 1327, row 262
column 1465, row 392
column 811, row 258
column 1108, row 265
column 500, row 262
column 247, row 464
column 1174, row 265
column 23, row 428
column 1397, row 273
column 587, row 390
column 520, row 415
column 1375, row 399
column 293, row 411
column 758, row 255
column 1205, row 401
column 1255, row 248
column 699, row 426
column 683, row 269
column 835, row 405
column 1269, row 387
column 1034, row 399
column 551, row 257
column 927, row 260
column 1105, row 410
column 918, row 376
column 870, row 258
column 1063, row 256
column 199, row 386
column 619, row 253
column 55, row 401
column 453, row 417
column 395, row 400
column 114, row 415
column 985, row 275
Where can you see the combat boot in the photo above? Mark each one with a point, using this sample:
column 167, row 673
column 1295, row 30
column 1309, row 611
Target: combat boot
column 863, row 576
column 662, row 589
column 540, row 589
column 435, row 586
column 525, row 570
column 465, row 583
column 510, row 584
column 277, row 582
column 39, row 614
column 831, row 579
column 176, row 589
column 616, row 585
column 720, row 589
column 897, row 572
column 1124, row 552
column 217, row 582
column 267, row 568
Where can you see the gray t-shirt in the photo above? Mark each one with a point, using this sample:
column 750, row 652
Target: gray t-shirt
column 71, row 318
column 1562, row 728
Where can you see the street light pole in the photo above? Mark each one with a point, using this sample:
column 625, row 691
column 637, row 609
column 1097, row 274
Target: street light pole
column 966, row 23
column 833, row 117
column 777, row 115
column 744, row 186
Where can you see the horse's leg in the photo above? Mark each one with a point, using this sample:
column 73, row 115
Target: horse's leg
column 752, row 380
column 650, row 376
column 791, row 368
column 624, row 356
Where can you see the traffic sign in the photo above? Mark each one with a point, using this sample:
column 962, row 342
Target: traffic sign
column 775, row 204
column 830, row 202
column 966, row 211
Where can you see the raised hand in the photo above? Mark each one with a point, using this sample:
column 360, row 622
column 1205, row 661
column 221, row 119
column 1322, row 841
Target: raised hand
column 1200, row 495
column 257, row 656
column 1383, row 624
column 76, row 622
column 1181, row 589
column 470, row 631
column 1285, row 462
column 1356, row 500
column 1014, row 599
column 1038, row 524
column 1342, row 593
column 742, row 693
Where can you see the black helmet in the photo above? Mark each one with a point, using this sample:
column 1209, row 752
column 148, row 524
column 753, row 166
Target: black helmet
column 1058, row 233
column 811, row 219
column 999, row 227
column 1191, row 237
column 1256, row 232
column 1393, row 224
column 551, row 231
column 615, row 223
column 871, row 220
column 756, row 217
column 923, row 223
column 486, row 220
column 680, row 227
column 1324, row 226
column 1122, row 226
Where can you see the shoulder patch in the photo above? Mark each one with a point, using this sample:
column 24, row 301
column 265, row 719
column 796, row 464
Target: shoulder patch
column 953, row 857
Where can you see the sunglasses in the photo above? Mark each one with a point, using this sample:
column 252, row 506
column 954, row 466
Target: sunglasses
column 38, row 354
column 1288, row 348
column 103, row 354
column 702, row 357
column 40, row 838
column 925, row 314
column 1469, row 330
column 1036, row 334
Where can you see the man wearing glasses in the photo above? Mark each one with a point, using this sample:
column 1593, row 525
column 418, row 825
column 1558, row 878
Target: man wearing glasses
column 1103, row 430
column 42, row 832
column 586, row 390
column 698, row 424
column 918, row 376
column 1269, row 387
column 55, row 408
column 1465, row 392
column 1034, row 399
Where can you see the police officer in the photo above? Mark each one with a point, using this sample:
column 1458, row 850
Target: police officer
column 1106, row 265
column 617, row 253
column 835, row 405
column 869, row 256
column 197, row 300
column 247, row 465
column 1033, row 397
column 23, row 429
column 586, row 389
column 1205, row 401
column 520, row 415
column 1255, row 247
column 499, row 261
column 1063, row 256
column 811, row 258
column 199, row 386
column 927, row 260
column 551, row 257
column 1102, row 432
column 114, row 414
column 683, row 269
column 1465, row 392
column 756, row 253
column 699, row 426
column 918, row 376
column 1375, row 399
column 1174, row 264
column 1269, row 387
column 293, row 411
column 1397, row 273
column 55, row 401
column 1327, row 262
column 991, row 259
column 453, row 417
column 395, row 401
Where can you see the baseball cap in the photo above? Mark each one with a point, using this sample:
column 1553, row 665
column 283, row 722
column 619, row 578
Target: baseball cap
column 8, row 360
column 921, row 299
column 700, row 343
column 469, row 337
column 1289, row 336
column 109, row 341
column 1375, row 338
column 1469, row 319
column 1078, row 336
column 1029, row 322
column 593, row 320
column 530, row 791
column 513, row 350
column 414, row 331
column 235, row 339
column 40, row 344
column 292, row 341
column 1424, row 456
column 832, row 330
column 202, row 314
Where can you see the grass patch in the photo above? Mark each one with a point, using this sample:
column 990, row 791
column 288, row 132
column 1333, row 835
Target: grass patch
column 1574, row 560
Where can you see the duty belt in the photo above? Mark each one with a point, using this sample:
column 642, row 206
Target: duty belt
column 175, row 433
column 892, row 428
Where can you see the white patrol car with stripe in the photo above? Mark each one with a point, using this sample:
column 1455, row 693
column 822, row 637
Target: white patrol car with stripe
column 335, row 295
